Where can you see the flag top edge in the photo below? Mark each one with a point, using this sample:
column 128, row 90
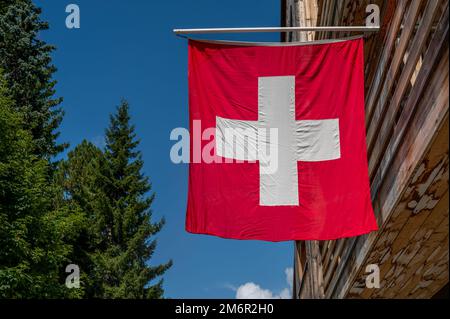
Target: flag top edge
column 274, row 44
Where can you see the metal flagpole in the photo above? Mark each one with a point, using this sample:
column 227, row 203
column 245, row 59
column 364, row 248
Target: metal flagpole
column 278, row 29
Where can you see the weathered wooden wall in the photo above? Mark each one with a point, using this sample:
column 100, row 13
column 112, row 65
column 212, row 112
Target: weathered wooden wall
column 300, row 13
column 406, row 74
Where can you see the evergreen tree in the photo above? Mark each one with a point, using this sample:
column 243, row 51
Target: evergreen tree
column 114, row 194
column 93, row 211
column 26, row 63
column 128, row 226
column 33, row 252
column 34, row 232
column 77, row 177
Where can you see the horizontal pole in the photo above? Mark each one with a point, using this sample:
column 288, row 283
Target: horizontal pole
column 278, row 29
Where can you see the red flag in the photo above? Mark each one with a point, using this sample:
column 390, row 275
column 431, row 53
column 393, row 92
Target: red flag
column 278, row 149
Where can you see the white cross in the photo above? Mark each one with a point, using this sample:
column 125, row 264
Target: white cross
column 305, row 140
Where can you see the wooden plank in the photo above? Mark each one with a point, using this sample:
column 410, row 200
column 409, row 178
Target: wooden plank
column 339, row 15
column 301, row 36
column 375, row 260
column 430, row 238
column 434, row 276
column 305, row 284
column 315, row 272
column 323, row 20
column 392, row 191
column 305, row 289
column 325, row 16
column 378, row 109
column 404, row 261
column 324, row 247
column 320, row 6
column 435, row 99
column 422, row 232
column 383, row 62
column 435, row 49
column 359, row 13
column 419, row 138
column 433, row 108
column 327, row 256
column 298, row 270
column 375, row 106
column 375, row 44
column 349, row 244
column 383, row 132
column 423, row 193
column 415, row 275
column 308, row 19
column 336, row 254
column 372, row 47
column 330, row 17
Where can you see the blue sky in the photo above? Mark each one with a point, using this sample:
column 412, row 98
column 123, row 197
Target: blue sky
column 126, row 49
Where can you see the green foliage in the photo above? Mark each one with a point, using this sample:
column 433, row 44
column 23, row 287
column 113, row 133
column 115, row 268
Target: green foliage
column 112, row 191
column 26, row 63
column 128, row 214
column 32, row 234
column 92, row 209
column 76, row 177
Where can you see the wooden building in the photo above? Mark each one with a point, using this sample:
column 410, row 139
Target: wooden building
column 407, row 99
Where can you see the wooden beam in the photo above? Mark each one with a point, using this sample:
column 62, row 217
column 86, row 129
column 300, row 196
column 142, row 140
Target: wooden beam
column 382, row 63
column 390, row 15
column 423, row 131
column 423, row 244
column 416, row 278
column 430, row 60
column 315, row 272
column 336, row 255
column 421, row 233
column 378, row 109
column 299, row 268
column 326, row 257
column 349, row 245
column 384, row 130
column 395, row 225
column 433, row 279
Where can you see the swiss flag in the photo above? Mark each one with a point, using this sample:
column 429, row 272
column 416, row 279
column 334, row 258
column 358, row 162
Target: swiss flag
column 278, row 148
